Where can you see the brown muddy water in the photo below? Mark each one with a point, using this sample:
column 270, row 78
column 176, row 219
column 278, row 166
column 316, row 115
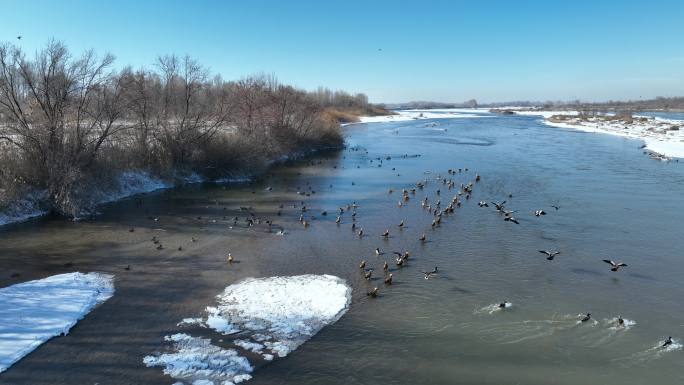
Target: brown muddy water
column 615, row 203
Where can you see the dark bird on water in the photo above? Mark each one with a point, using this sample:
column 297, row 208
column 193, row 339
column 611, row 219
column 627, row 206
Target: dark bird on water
column 373, row 293
column 550, row 254
column 368, row 274
column 586, row 318
column 614, row 266
column 388, row 280
column 667, row 342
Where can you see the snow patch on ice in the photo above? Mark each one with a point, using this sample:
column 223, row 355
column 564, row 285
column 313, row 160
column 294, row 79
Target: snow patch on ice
column 289, row 310
column 195, row 359
column 273, row 315
column 35, row 311
column 249, row 345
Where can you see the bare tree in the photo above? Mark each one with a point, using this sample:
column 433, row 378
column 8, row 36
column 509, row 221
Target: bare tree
column 191, row 110
column 70, row 122
column 59, row 111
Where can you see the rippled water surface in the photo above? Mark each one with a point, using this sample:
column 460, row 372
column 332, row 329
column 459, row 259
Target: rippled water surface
column 614, row 203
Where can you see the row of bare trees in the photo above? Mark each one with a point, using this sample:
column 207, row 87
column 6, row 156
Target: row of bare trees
column 339, row 98
column 66, row 121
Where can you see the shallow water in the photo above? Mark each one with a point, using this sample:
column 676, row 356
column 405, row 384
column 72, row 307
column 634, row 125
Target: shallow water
column 615, row 203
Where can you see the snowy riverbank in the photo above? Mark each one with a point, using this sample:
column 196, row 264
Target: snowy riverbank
column 445, row 113
column 35, row 311
column 128, row 183
column 660, row 136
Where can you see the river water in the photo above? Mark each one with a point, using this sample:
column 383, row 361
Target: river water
column 614, row 203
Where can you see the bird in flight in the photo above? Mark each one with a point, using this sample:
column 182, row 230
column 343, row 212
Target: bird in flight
column 550, row 254
column 614, row 266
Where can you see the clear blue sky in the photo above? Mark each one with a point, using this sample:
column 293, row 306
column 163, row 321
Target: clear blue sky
column 440, row 50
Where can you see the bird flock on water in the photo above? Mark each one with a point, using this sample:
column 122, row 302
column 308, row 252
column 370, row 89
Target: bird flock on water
column 438, row 210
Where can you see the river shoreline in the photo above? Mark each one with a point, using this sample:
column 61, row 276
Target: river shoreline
column 613, row 202
column 133, row 183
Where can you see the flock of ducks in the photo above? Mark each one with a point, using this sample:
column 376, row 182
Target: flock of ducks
column 436, row 208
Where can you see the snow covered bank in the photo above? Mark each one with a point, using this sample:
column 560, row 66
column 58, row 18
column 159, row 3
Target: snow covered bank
column 132, row 183
column 664, row 137
column 35, row 311
column 271, row 316
column 30, row 206
column 661, row 136
column 128, row 183
column 445, row 113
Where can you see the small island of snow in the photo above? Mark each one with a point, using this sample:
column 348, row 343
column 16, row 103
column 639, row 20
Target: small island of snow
column 271, row 316
column 35, row 311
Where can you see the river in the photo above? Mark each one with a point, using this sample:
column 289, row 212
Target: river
column 614, row 203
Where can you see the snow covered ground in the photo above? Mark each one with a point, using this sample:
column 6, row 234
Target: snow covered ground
column 133, row 183
column 22, row 210
column 35, row 311
column 444, row 113
column 661, row 136
column 270, row 316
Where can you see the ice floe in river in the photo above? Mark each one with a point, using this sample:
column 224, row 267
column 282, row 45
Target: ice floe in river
column 269, row 317
column 35, row 311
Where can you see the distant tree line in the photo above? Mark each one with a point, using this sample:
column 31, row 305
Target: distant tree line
column 658, row 103
column 67, row 122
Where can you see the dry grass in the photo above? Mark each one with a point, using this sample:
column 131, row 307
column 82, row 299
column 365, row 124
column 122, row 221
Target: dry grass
column 352, row 114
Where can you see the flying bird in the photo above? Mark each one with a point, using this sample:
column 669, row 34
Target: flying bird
column 430, row 274
column 550, row 254
column 511, row 219
column 499, row 206
column 614, row 266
